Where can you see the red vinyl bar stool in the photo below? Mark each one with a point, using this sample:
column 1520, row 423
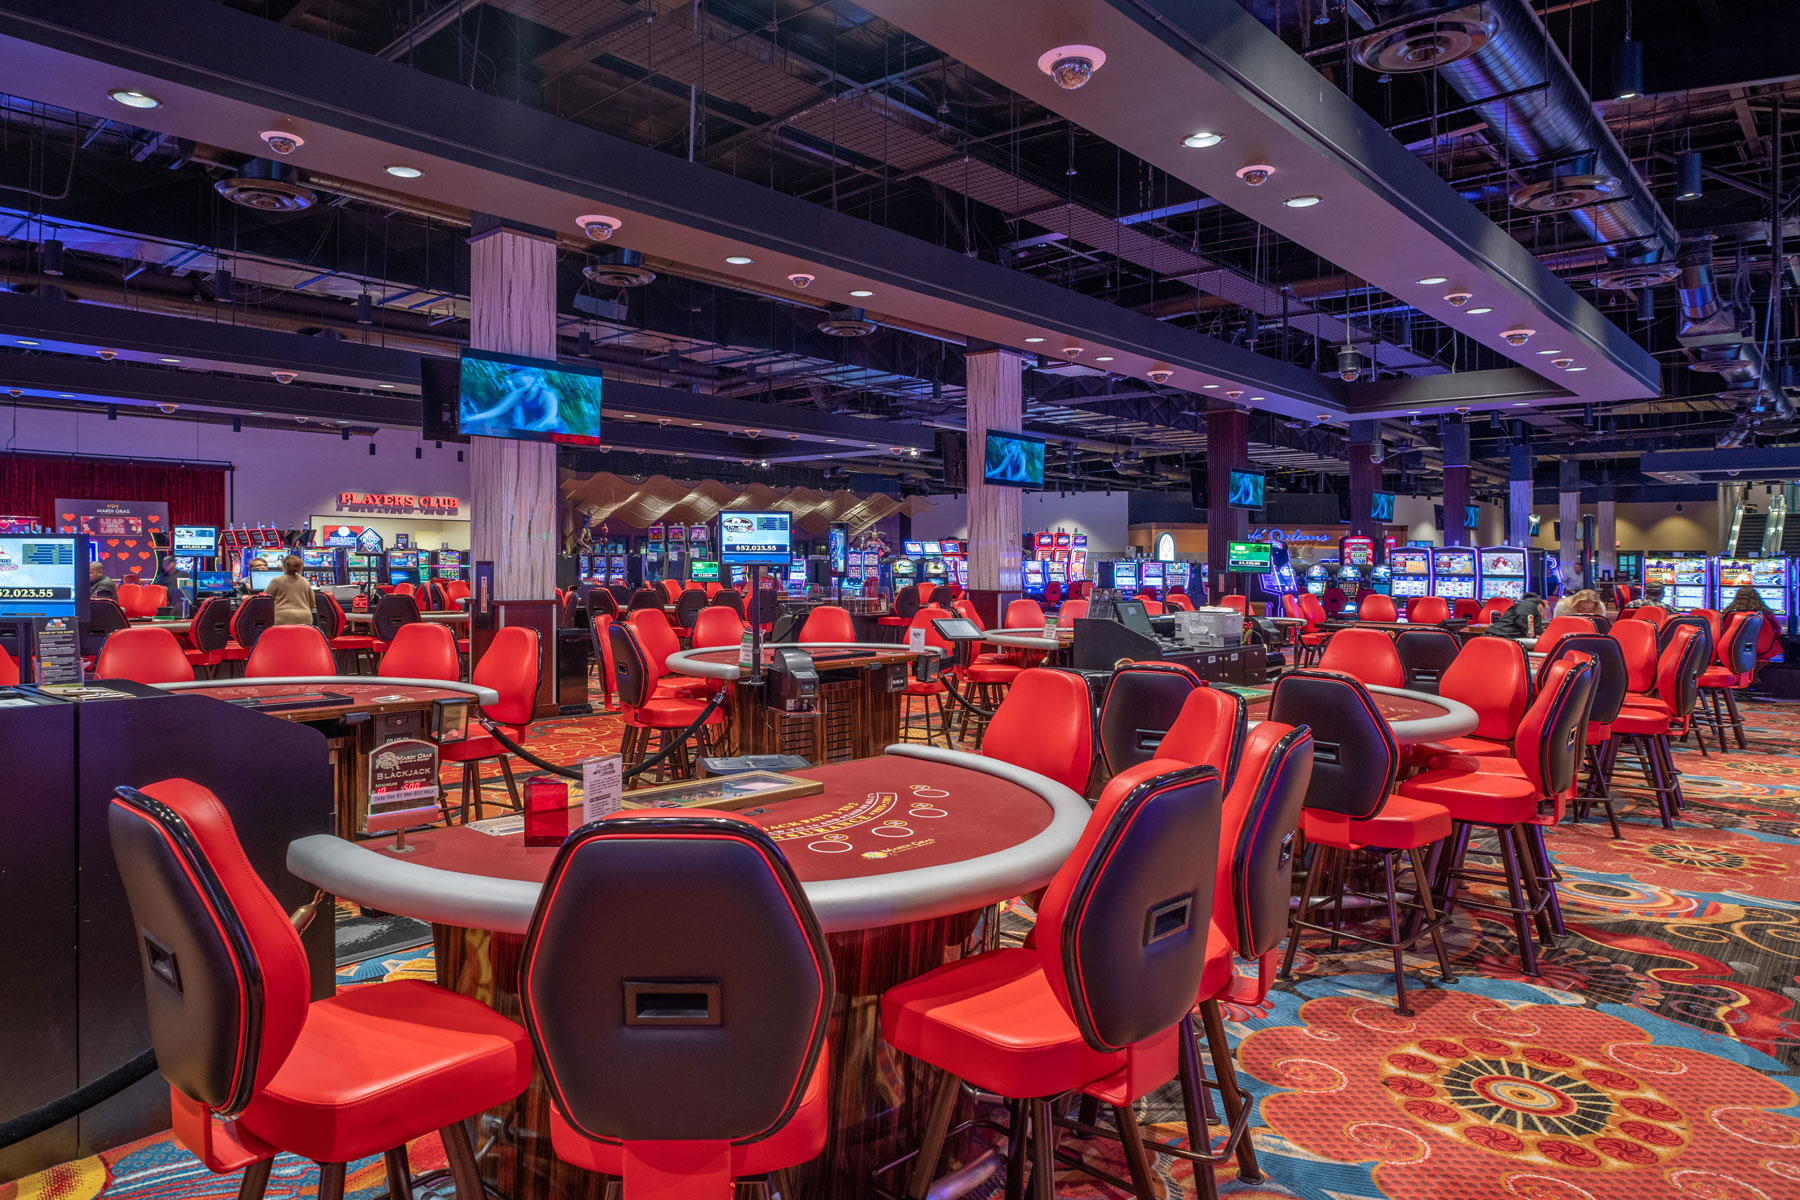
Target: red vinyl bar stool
column 1608, row 664
column 1367, row 655
column 1732, row 669
column 290, row 650
column 1427, row 610
column 1492, row 676
column 147, row 654
column 1070, row 612
column 646, row 708
column 209, row 633
column 659, row 641
column 254, row 1069
column 1046, row 725
column 1177, row 602
column 248, row 621
column 1648, row 721
column 1426, row 653
column 1374, row 606
column 1515, row 798
column 1310, row 640
column 1097, row 1003
column 676, row 988
column 1209, row 731
column 1351, row 806
column 511, row 668
column 423, row 651
column 333, row 624
column 1142, row 700
column 1637, row 645
column 931, row 692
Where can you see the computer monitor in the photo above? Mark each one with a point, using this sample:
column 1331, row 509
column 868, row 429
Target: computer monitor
column 1133, row 616
column 260, row 580
column 212, row 583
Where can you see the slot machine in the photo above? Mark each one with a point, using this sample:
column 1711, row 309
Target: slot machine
column 1769, row 576
column 362, row 568
column 1683, row 576
column 1032, row 574
column 1154, row 578
column 1381, row 579
column 1356, row 555
column 1453, row 572
column 1125, row 577
column 1509, row 572
column 1078, row 557
column 931, row 564
column 402, row 567
column 1411, row 571
column 1319, row 576
column 450, row 564
column 319, row 567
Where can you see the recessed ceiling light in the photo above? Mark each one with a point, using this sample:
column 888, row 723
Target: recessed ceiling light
column 1033, row 341
column 1256, row 398
column 1301, row 201
column 66, row 395
column 860, row 292
column 25, row 341
column 1413, row 412
column 1203, row 139
column 385, row 385
column 1104, row 358
column 402, row 171
column 1476, row 312
column 1521, row 404
column 1434, row 280
column 171, row 360
column 1577, row 368
column 738, row 260
column 696, row 422
column 1207, row 387
column 132, row 98
column 1549, row 351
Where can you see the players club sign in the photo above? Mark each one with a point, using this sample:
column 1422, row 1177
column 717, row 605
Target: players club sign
column 400, row 504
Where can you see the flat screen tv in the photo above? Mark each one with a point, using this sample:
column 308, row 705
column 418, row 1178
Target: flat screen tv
column 1381, row 506
column 1472, row 518
column 765, row 538
column 1252, row 558
column 1013, row 460
column 196, row 539
column 527, row 399
column 1246, row 489
column 44, row 575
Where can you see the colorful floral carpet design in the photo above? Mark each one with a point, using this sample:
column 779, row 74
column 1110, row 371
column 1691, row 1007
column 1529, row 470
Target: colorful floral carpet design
column 1657, row 1054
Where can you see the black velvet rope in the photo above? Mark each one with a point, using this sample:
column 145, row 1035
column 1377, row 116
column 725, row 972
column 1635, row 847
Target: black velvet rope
column 675, row 743
column 78, row 1101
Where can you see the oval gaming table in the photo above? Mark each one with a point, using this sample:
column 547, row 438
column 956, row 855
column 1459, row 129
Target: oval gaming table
column 357, row 714
column 1413, row 716
column 903, row 856
column 856, row 713
column 1030, row 638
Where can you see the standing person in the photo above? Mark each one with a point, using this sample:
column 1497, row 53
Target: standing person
column 293, row 596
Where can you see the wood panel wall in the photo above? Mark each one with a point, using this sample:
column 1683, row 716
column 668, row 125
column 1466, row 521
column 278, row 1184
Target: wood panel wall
column 512, row 485
column 995, row 516
column 1606, row 537
column 1227, row 450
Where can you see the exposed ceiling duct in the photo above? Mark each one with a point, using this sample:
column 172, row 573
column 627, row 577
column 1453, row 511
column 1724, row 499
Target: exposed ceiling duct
column 1712, row 333
column 1498, row 57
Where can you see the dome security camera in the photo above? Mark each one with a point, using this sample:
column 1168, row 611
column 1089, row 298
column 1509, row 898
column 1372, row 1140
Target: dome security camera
column 281, row 141
column 109, row 355
column 1159, row 374
column 800, row 279
column 1071, row 66
column 285, row 376
column 598, row 227
column 166, row 408
column 1517, row 337
column 1256, row 174
column 15, row 393
column 1071, row 352
column 1458, row 299
column 1462, row 410
column 1562, row 364
column 1235, row 394
column 1375, row 452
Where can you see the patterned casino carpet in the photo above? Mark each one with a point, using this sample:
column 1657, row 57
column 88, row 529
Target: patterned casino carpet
column 1656, row 1056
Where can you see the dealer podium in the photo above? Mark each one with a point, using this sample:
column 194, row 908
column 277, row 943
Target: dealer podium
column 71, row 994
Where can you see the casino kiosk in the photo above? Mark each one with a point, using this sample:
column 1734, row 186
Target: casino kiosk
column 1454, row 572
column 1410, row 570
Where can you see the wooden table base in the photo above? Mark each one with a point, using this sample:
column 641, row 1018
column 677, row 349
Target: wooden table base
column 879, row 1098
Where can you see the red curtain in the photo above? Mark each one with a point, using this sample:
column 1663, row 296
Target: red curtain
column 30, row 487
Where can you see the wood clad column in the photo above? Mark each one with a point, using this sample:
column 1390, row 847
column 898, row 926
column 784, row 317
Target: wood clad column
column 1519, row 500
column 995, row 520
column 1365, row 481
column 512, row 485
column 1568, row 515
column 1606, row 536
column 1227, row 450
column 1455, row 438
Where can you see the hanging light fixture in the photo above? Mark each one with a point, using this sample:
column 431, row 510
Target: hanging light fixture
column 365, row 309
column 53, row 256
column 222, row 285
column 1689, row 175
column 1628, row 64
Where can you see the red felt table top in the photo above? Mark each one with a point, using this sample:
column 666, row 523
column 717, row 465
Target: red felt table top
column 374, row 694
column 927, row 814
column 1394, row 708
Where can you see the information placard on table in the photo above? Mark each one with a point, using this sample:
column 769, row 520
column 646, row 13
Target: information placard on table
column 602, row 787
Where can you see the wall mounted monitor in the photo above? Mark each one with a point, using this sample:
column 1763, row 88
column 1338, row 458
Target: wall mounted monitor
column 527, row 399
column 1381, row 506
column 1472, row 518
column 196, row 539
column 1255, row 558
column 1246, row 489
column 1013, row 460
column 764, row 538
column 44, row 575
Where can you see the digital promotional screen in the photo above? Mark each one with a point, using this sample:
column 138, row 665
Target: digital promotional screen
column 41, row 576
column 838, row 541
column 1254, row 557
column 196, row 539
column 527, row 399
column 1013, row 461
column 1472, row 518
column 1381, row 506
column 1246, row 490
column 756, row 537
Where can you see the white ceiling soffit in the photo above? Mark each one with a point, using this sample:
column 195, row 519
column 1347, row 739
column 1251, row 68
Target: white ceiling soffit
column 1178, row 67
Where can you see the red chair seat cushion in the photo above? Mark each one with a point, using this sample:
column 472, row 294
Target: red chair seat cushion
column 375, row 1066
column 673, row 687
column 1719, row 677
column 1312, row 639
column 1637, row 702
column 672, row 712
column 1483, row 797
column 994, row 1021
column 1472, row 747
column 203, row 658
column 470, row 749
column 980, row 672
column 234, row 653
column 1640, row 721
column 800, row 1140
column 1402, row 824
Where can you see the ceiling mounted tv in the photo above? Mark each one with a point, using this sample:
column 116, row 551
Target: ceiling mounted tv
column 527, row 399
column 1013, row 460
column 1246, row 489
column 1381, row 506
column 1472, row 518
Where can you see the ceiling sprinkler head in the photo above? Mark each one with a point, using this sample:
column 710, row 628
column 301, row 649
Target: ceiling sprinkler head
column 1458, row 299
column 285, row 376
column 1562, row 364
column 281, row 141
column 800, row 279
column 1256, row 174
column 598, row 227
column 1160, row 374
column 1071, row 66
column 1517, row 337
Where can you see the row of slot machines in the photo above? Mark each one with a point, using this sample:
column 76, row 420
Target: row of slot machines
column 1694, row 579
column 1129, row 576
column 337, row 567
column 1453, row 572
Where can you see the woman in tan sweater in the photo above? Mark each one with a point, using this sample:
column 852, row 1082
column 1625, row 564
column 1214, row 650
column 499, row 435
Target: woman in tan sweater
column 293, row 596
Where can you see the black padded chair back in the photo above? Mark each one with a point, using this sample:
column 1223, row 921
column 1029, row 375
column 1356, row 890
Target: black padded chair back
column 688, row 606
column 730, row 598
column 768, row 604
column 1601, row 622
column 1425, row 654
column 1557, row 740
column 1270, row 791
column 328, row 614
column 1687, row 686
column 906, row 601
column 571, row 609
column 1610, row 675
column 1132, row 931
column 632, row 675
column 1141, row 702
column 786, row 629
column 1666, row 634
column 1738, row 654
column 600, row 603
column 211, row 627
column 1355, row 760
column 394, row 611
column 621, row 595
column 253, row 616
column 675, row 948
column 106, row 617
column 942, row 596
column 645, row 597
